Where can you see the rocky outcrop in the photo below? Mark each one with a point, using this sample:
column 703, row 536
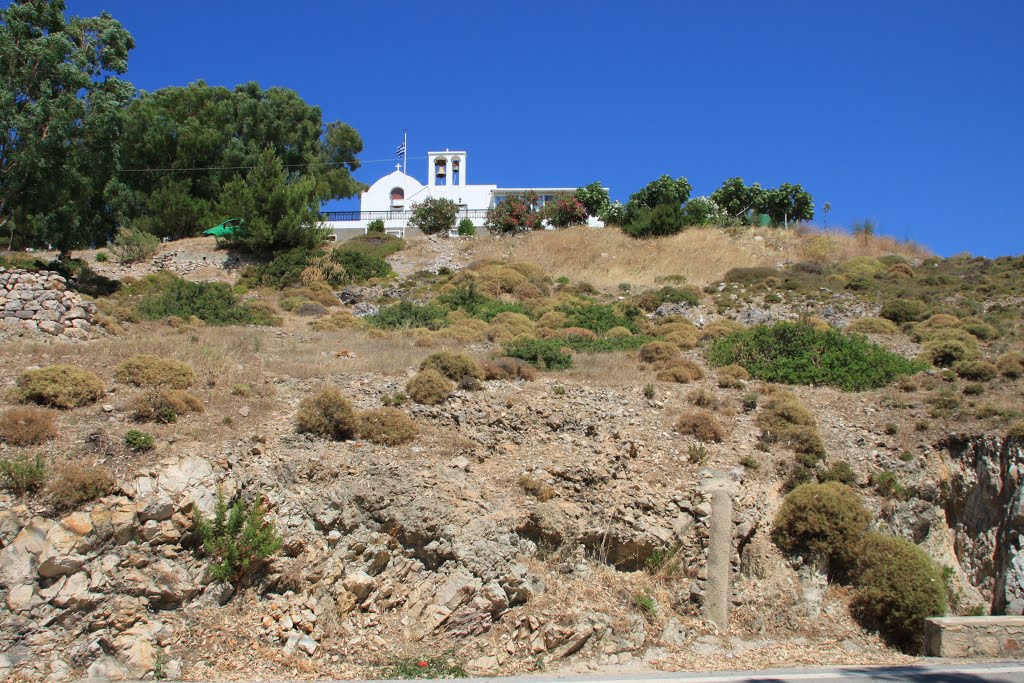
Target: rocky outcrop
column 984, row 507
column 40, row 302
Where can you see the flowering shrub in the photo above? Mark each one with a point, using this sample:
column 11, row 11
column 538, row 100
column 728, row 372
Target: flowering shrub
column 615, row 214
column 565, row 210
column 701, row 211
column 433, row 215
column 514, row 214
column 594, row 198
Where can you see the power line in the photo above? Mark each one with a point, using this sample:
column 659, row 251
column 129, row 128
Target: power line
column 248, row 168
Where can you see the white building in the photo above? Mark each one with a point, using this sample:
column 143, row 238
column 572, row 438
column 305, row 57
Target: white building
column 393, row 197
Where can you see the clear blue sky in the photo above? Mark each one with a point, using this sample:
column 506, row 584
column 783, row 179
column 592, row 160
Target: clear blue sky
column 908, row 112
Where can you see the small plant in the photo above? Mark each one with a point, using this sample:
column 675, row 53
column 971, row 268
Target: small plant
column 399, row 398
column 888, row 485
column 102, row 256
column 23, row 474
column 165, row 406
column 646, row 603
column 732, row 376
column 434, row 667
column 892, row 429
column 537, row 487
column 700, row 424
column 976, row 370
column 327, row 413
column 138, row 441
column 132, row 245
column 697, row 453
column 237, row 538
column 429, row 387
column 902, row 311
column 466, row 228
column 1011, row 364
column 375, row 226
column 387, row 426
column 648, row 391
column 838, row 471
column 562, row 280
column 509, row 368
column 543, row 354
column 78, row 483
column 702, row 398
column 59, row 386
column 27, row 426
column 680, row 371
column 457, row 367
column 558, row 390
column 658, row 352
column 749, row 401
column 242, row 390
column 750, row 462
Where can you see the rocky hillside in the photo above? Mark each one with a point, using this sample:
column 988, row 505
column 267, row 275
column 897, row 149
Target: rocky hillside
column 587, row 482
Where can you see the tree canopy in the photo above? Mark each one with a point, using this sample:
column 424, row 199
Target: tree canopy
column 663, row 190
column 60, row 108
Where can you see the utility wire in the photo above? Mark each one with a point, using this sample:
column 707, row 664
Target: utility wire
column 234, row 168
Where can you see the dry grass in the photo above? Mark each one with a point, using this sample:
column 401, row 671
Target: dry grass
column 27, row 426
column 605, row 257
column 78, row 483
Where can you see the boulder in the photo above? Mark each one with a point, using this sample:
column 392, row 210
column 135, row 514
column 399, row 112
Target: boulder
column 18, row 561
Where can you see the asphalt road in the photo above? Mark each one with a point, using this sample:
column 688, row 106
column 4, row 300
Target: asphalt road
column 936, row 673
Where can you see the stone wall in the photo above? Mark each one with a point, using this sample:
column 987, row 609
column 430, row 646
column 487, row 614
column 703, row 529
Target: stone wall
column 40, row 302
column 974, row 636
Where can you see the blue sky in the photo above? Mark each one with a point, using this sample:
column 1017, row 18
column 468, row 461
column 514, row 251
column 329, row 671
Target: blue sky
column 907, row 112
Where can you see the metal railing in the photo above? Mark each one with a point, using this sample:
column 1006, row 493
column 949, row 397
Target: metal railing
column 472, row 214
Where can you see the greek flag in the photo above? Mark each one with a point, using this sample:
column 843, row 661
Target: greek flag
column 400, row 151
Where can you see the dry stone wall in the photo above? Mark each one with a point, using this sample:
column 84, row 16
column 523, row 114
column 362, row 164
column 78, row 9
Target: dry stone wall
column 40, row 302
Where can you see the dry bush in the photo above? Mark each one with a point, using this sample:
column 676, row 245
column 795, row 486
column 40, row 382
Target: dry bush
column 27, row 426
column 154, row 371
column 681, row 371
column 536, row 487
column 618, row 332
column 466, row 331
column 785, row 419
column 700, row 424
column 429, row 387
column 702, row 398
column 1011, row 364
column 976, row 370
column 721, row 328
column 658, row 352
column 319, row 292
column 822, row 522
column 507, row 326
column 78, row 483
column 164, row 405
column 387, row 426
column 327, row 413
column 873, row 326
column 732, row 376
column 682, row 337
column 509, row 368
column 59, row 386
column 575, row 332
column 457, row 367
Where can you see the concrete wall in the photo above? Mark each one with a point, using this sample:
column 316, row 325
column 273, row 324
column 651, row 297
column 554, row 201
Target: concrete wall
column 974, row 637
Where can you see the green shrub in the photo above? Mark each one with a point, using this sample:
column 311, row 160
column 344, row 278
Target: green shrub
column 376, row 244
column 466, row 228
column 285, row 270
column 429, row 387
column 434, row 215
column 477, row 305
column 23, row 474
column 132, row 245
column 598, row 318
column 375, row 226
column 457, row 367
column 822, row 522
column 873, row 326
column 976, row 370
column 387, row 426
column 752, row 275
column 899, row 587
column 154, row 371
column 27, row 426
column 589, row 344
column 797, row 353
column 406, row 314
column 138, row 441
column 784, row 419
column 700, row 424
column 543, row 354
column 661, row 221
column 237, row 539
column 887, row 484
column 59, row 386
column 838, row 471
column 327, row 413
column 902, row 311
column 212, row 302
column 360, row 266
column 433, row 667
column 102, row 257
column 650, row 301
column 944, row 353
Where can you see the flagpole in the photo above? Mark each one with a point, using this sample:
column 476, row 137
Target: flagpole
column 405, row 150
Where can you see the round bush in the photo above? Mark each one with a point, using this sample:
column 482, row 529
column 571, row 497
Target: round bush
column 976, row 370
column 680, row 371
column 509, row 368
column 899, row 586
column 327, row 413
column 822, row 522
column 153, row 371
column 60, row 386
column 904, row 311
column 658, row 352
column 387, row 426
column 165, row 405
column 27, row 426
column 945, row 352
column 873, row 326
column 1011, row 364
column 429, row 387
column 702, row 425
column 457, row 367
column 618, row 332
column 732, row 376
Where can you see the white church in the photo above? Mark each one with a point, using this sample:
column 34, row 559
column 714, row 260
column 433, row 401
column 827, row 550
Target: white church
column 393, row 197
